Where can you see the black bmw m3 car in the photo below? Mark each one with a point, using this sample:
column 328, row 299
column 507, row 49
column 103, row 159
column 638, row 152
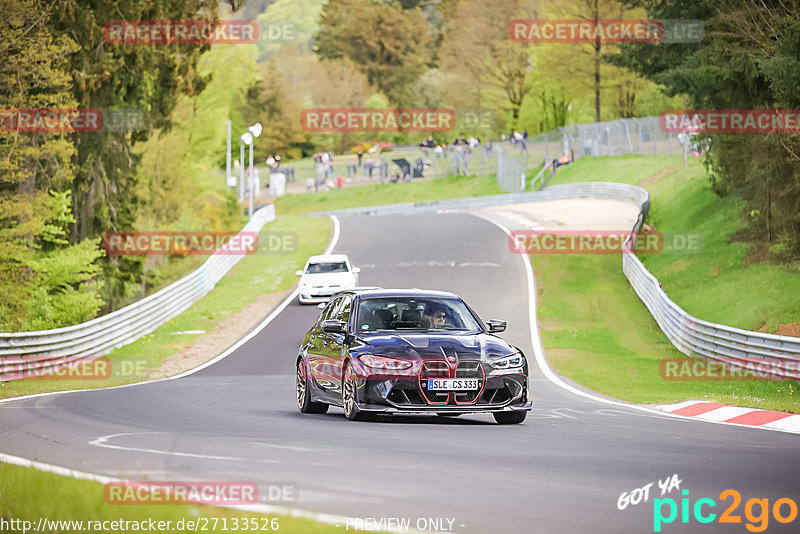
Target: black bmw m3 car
column 387, row 351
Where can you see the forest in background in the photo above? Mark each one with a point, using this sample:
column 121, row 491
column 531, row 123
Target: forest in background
column 60, row 192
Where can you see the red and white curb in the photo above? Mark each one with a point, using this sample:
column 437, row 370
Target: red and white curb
column 711, row 411
column 519, row 219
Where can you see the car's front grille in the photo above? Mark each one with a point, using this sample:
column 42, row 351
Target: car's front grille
column 469, row 369
column 434, row 369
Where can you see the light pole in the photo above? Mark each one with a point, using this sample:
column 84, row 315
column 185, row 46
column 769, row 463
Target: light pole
column 245, row 138
column 253, row 131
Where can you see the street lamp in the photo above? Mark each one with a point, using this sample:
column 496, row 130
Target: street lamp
column 244, row 139
column 254, row 131
column 247, row 139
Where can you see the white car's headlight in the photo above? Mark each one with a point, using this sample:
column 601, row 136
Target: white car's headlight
column 509, row 362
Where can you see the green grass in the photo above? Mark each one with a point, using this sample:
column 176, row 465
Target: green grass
column 29, row 494
column 373, row 195
column 254, row 275
column 596, row 330
column 716, row 284
column 626, row 169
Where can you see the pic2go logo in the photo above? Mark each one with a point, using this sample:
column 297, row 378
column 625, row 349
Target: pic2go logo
column 756, row 511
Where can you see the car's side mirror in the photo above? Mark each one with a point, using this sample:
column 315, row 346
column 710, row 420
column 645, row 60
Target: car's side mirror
column 356, row 270
column 299, row 272
column 321, row 305
column 496, row 325
column 334, row 326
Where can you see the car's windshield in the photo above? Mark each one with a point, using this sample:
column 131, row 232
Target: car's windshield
column 412, row 313
column 327, row 267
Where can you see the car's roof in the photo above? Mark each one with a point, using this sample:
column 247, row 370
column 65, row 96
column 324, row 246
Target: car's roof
column 370, row 292
column 328, row 257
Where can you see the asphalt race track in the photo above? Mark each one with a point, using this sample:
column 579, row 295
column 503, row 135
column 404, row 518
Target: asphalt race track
column 561, row 471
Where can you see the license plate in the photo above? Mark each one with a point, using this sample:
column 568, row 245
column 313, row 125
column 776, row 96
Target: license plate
column 453, row 384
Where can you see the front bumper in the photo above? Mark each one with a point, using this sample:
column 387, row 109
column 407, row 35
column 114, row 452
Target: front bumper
column 316, row 295
column 505, row 392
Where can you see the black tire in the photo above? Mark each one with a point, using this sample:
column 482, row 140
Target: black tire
column 349, row 403
column 304, row 402
column 509, row 418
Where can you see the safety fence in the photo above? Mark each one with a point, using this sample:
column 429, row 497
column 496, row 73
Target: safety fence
column 25, row 353
column 770, row 354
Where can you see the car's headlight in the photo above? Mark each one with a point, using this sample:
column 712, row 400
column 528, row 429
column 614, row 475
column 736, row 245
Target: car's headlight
column 509, row 362
column 305, row 284
column 380, row 362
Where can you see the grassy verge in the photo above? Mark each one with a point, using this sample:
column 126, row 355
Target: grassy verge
column 716, row 284
column 597, row 331
column 254, row 275
column 374, row 195
column 626, row 169
column 29, row 495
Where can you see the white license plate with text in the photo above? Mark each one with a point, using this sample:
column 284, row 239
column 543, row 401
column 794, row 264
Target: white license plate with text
column 453, row 384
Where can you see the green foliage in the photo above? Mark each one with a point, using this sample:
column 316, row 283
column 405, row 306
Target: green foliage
column 301, row 16
column 390, row 45
column 45, row 282
column 749, row 58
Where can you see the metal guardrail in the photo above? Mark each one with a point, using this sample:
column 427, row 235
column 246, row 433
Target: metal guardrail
column 778, row 356
column 555, row 192
column 24, row 353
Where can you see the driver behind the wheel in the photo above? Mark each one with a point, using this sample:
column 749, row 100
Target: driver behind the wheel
column 437, row 317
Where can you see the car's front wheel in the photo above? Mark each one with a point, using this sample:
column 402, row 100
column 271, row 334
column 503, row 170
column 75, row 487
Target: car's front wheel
column 509, row 418
column 349, row 404
column 304, row 402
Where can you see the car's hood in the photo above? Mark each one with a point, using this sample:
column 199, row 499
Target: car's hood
column 434, row 345
column 327, row 279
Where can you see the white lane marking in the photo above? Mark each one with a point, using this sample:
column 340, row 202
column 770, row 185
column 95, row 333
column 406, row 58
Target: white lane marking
column 102, row 441
column 227, row 352
column 291, row 447
column 266, row 509
column 552, row 377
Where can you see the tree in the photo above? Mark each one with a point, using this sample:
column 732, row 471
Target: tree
column 390, row 45
column 749, row 58
column 267, row 101
column 485, row 63
column 45, row 282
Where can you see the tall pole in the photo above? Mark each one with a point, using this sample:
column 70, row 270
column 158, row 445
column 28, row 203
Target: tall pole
column 228, row 157
column 252, row 183
column 241, row 171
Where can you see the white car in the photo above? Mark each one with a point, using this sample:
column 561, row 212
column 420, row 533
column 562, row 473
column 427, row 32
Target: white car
column 325, row 275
